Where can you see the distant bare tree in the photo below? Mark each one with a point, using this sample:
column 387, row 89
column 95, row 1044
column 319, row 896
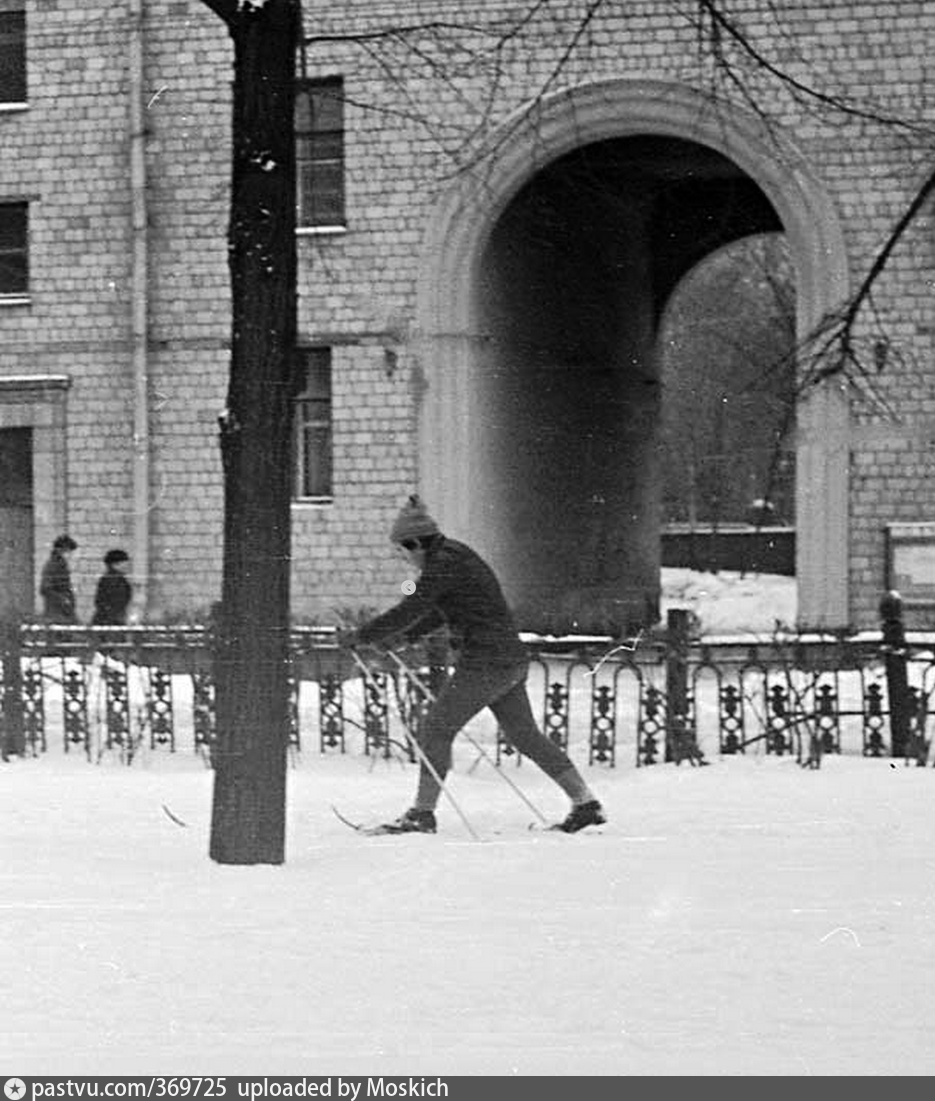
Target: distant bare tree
column 725, row 345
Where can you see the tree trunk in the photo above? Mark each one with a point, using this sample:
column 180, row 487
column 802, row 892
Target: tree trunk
column 251, row 629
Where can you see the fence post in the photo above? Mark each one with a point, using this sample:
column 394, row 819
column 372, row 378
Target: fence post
column 897, row 682
column 676, row 683
column 14, row 743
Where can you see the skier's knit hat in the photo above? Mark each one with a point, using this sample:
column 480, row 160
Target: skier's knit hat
column 413, row 521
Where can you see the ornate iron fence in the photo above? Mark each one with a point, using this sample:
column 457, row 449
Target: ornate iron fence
column 122, row 691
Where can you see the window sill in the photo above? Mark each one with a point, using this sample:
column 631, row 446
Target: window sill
column 15, row 300
column 11, row 108
column 312, row 502
column 320, row 231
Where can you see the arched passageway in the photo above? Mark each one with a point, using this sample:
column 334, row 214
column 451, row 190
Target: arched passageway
column 571, row 286
column 543, row 281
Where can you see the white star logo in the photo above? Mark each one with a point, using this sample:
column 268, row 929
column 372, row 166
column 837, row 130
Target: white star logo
column 15, row 1089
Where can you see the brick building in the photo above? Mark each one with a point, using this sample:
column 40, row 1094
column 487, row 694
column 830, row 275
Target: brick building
column 493, row 213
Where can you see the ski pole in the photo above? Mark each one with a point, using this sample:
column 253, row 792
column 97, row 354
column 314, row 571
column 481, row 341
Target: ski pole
column 430, row 695
column 420, row 753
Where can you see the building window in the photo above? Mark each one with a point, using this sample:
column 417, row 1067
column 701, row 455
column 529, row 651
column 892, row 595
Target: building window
column 319, row 134
column 14, row 255
column 313, row 427
column 12, row 51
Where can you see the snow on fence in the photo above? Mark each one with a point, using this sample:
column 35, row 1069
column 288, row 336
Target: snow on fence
column 118, row 692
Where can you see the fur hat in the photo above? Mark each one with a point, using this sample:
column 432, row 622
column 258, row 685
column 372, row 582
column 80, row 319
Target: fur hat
column 413, row 521
column 112, row 557
column 65, row 543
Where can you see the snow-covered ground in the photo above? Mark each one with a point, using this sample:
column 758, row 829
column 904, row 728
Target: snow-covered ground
column 747, row 918
column 731, row 602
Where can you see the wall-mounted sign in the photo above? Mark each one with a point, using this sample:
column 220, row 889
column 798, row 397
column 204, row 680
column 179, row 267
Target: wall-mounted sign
column 910, row 562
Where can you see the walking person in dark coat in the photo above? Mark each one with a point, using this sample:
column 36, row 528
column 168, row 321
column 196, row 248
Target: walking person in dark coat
column 114, row 592
column 458, row 589
column 58, row 596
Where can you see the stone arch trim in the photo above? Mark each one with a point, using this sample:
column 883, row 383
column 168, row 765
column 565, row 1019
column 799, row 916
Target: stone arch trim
column 449, row 347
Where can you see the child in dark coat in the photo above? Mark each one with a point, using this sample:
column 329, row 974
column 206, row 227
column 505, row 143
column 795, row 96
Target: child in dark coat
column 114, row 592
column 58, row 596
column 457, row 588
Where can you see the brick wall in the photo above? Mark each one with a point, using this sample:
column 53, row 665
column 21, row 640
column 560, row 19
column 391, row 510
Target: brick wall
column 408, row 127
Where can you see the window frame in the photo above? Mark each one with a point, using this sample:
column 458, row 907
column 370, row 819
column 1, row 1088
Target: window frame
column 13, row 70
column 19, row 249
column 313, row 413
column 322, row 146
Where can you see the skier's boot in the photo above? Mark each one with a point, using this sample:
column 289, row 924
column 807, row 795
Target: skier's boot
column 413, row 821
column 584, row 814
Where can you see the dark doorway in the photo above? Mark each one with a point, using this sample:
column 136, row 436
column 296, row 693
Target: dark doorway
column 16, row 522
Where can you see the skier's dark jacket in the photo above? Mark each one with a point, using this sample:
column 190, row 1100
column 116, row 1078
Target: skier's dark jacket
column 458, row 589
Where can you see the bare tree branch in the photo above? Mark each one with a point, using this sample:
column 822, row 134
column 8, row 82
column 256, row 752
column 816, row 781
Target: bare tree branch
column 501, row 30
column 720, row 26
column 833, row 348
column 397, row 31
column 896, row 234
column 433, row 45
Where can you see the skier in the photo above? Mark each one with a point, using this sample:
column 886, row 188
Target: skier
column 458, row 589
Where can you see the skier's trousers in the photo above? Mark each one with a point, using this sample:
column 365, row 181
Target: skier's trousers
column 471, row 688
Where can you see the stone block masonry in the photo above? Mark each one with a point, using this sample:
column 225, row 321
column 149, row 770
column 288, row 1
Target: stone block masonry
column 420, row 113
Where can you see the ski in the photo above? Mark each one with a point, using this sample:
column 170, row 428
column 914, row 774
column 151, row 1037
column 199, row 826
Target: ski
column 389, row 829
column 172, row 817
column 386, row 828
column 356, row 826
